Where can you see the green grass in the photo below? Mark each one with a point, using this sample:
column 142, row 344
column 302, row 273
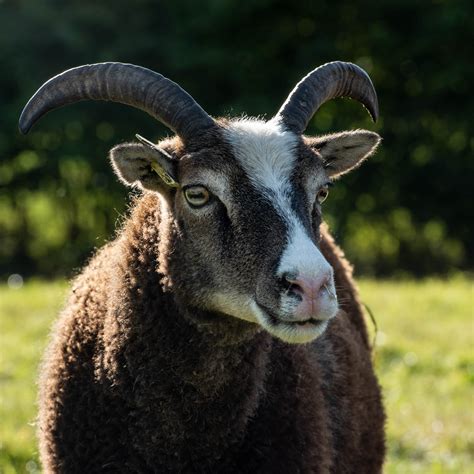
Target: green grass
column 424, row 359
column 26, row 315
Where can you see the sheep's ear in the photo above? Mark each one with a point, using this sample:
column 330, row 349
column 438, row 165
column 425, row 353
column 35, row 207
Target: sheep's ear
column 341, row 152
column 149, row 167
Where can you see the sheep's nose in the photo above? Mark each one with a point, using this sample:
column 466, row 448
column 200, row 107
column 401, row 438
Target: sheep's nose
column 307, row 287
column 310, row 289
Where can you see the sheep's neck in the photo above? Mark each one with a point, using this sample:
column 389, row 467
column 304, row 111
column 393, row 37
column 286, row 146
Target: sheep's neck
column 178, row 368
column 212, row 357
column 179, row 377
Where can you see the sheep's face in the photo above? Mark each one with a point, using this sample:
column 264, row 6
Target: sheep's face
column 245, row 196
column 247, row 214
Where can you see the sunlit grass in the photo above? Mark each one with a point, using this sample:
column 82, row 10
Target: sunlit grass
column 424, row 357
column 425, row 361
column 26, row 315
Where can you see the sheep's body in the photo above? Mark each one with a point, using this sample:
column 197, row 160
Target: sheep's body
column 169, row 356
column 130, row 384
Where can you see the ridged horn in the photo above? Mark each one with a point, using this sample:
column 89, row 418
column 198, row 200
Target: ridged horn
column 331, row 80
column 124, row 83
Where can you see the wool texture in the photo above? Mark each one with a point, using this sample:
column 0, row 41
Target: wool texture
column 131, row 383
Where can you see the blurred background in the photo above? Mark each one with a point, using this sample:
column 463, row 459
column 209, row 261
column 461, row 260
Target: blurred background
column 407, row 211
column 405, row 215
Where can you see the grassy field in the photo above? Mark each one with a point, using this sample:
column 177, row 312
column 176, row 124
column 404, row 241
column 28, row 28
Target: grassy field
column 424, row 358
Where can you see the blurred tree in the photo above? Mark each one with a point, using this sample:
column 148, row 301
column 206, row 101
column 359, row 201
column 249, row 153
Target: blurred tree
column 408, row 210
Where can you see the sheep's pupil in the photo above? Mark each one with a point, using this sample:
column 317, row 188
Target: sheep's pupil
column 197, row 197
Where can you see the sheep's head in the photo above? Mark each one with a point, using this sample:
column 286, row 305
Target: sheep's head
column 244, row 196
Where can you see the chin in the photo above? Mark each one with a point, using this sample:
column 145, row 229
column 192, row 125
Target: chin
column 298, row 332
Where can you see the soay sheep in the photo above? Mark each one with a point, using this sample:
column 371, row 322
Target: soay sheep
column 221, row 330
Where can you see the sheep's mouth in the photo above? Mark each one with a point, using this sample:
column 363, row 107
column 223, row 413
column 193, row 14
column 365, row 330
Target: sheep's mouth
column 295, row 332
column 309, row 322
column 305, row 322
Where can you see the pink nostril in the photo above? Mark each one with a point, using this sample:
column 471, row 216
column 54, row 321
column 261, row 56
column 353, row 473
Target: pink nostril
column 291, row 282
column 307, row 287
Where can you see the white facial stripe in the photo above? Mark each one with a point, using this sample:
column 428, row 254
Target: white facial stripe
column 267, row 153
column 301, row 255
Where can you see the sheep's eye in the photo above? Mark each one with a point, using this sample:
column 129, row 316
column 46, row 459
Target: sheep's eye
column 197, row 196
column 322, row 194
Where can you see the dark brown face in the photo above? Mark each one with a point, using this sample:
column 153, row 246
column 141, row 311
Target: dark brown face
column 246, row 216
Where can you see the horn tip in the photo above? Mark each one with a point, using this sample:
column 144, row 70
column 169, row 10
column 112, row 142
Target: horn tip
column 25, row 121
column 24, row 126
column 374, row 114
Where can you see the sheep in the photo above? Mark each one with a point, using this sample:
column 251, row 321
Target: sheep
column 221, row 331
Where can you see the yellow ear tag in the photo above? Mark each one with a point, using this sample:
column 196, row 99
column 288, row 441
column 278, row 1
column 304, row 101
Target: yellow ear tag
column 166, row 178
column 157, row 168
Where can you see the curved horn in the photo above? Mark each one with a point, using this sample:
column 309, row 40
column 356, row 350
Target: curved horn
column 125, row 83
column 331, row 80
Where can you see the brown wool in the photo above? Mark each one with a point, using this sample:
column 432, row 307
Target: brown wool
column 129, row 385
column 138, row 376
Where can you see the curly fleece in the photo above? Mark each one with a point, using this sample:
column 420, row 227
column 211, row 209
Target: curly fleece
column 131, row 384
